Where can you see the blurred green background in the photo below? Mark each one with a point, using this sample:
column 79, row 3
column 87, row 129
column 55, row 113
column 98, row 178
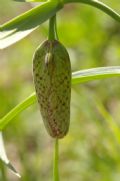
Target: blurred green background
column 91, row 150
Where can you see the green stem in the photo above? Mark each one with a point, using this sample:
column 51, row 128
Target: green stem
column 56, row 33
column 95, row 3
column 56, row 161
column 52, row 28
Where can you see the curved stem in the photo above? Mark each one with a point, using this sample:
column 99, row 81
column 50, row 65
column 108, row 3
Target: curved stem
column 95, row 3
column 56, row 161
column 52, row 28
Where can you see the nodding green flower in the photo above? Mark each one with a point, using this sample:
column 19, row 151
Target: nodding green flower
column 52, row 79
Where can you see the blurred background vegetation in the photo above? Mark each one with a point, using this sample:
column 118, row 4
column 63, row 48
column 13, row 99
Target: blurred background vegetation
column 91, row 150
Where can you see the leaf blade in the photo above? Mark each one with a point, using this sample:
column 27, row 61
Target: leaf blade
column 19, row 27
column 84, row 76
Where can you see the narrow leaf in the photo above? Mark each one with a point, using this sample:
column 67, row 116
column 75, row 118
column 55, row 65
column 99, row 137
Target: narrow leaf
column 19, row 108
column 95, row 73
column 4, row 158
column 82, row 76
column 22, row 25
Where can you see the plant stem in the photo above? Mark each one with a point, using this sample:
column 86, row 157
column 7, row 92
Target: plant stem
column 56, row 33
column 100, row 5
column 56, row 161
column 52, row 28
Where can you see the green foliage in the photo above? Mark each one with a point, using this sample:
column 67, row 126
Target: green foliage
column 21, row 26
column 91, row 150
